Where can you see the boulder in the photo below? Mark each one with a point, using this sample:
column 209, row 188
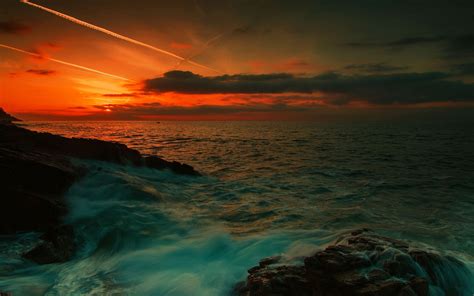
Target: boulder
column 360, row 263
column 57, row 245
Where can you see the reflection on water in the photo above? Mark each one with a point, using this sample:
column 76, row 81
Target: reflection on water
column 269, row 188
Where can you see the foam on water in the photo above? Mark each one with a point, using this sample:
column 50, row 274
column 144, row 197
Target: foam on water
column 270, row 188
column 141, row 233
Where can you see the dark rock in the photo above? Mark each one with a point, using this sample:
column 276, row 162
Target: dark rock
column 32, row 188
column 377, row 275
column 57, row 246
column 11, row 135
column 176, row 167
column 284, row 280
column 36, row 171
column 419, row 286
column 388, row 287
column 434, row 265
column 5, row 293
column 268, row 261
column 352, row 266
column 6, row 118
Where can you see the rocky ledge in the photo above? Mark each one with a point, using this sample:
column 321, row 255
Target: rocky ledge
column 36, row 171
column 361, row 263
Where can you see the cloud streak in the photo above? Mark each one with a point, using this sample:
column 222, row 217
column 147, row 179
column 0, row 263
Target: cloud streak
column 114, row 34
column 339, row 89
column 37, row 55
column 399, row 43
column 374, row 68
column 452, row 47
column 41, row 72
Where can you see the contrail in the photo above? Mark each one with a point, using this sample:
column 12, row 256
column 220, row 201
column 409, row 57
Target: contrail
column 113, row 34
column 63, row 62
column 203, row 48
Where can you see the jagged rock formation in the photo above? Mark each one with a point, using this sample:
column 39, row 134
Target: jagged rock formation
column 26, row 140
column 36, row 171
column 361, row 263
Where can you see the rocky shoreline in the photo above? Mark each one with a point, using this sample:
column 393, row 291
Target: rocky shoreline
column 36, row 171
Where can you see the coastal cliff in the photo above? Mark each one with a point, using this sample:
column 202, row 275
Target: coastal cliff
column 36, row 171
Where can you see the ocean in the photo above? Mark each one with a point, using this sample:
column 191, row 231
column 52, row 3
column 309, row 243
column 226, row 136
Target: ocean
column 268, row 188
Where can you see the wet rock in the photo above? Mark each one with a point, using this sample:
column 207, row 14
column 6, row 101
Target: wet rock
column 388, row 287
column 283, row 280
column 57, row 246
column 419, row 286
column 444, row 272
column 268, row 261
column 174, row 166
column 11, row 135
column 36, row 171
column 360, row 263
column 33, row 185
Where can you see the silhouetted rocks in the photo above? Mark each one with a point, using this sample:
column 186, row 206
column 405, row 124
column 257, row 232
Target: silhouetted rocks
column 177, row 167
column 6, row 118
column 361, row 263
column 33, row 184
column 57, row 246
column 36, row 171
column 15, row 136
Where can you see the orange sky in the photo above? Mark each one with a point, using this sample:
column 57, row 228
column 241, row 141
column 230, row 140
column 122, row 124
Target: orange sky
column 232, row 38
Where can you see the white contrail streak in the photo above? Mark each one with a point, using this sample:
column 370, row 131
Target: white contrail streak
column 63, row 62
column 113, row 34
column 203, row 48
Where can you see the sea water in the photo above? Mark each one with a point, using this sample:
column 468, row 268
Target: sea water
column 269, row 188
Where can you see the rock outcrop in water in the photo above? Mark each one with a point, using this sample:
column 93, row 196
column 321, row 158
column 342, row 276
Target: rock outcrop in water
column 361, row 263
column 54, row 145
column 36, row 171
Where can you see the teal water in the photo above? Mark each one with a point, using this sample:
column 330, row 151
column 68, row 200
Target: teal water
column 269, row 188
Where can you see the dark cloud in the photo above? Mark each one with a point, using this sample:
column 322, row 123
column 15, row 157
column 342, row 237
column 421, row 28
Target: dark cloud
column 463, row 69
column 13, row 27
column 399, row 43
column 460, row 47
column 452, row 47
column 41, row 72
column 122, row 95
column 156, row 109
column 374, row 68
column 415, row 41
column 403, row 88
column 243, row 30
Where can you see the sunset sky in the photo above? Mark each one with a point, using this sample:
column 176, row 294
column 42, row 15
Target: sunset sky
column 249, row 59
